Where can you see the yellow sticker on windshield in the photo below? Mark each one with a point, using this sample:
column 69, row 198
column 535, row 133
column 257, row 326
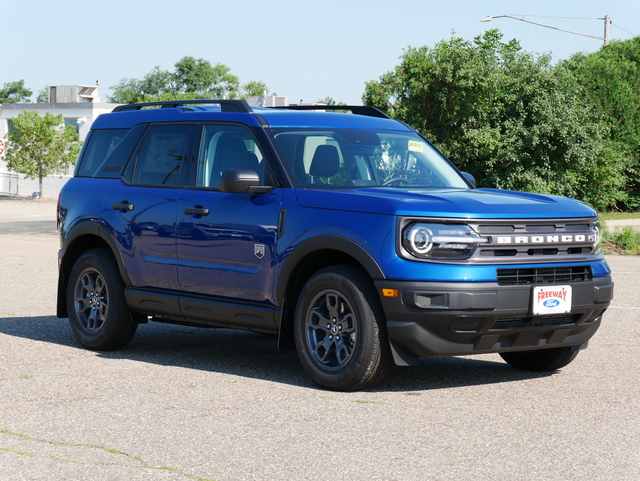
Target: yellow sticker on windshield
column 415, row 146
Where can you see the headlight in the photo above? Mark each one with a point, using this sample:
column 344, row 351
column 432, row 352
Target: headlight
column 438, row 241
column 595, row 225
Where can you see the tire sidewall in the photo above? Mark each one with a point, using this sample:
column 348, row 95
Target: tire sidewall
column 105, row 338
column 357, row 370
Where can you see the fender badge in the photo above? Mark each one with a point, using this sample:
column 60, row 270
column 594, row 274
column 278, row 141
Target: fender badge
column 258, row 250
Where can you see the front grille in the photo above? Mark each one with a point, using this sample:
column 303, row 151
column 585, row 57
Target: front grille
column 544, row 321
column 528, row 240
column 544, row 275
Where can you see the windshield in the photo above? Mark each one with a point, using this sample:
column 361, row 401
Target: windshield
column 339, row 158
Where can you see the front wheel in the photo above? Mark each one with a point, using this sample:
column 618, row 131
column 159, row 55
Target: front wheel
column 541, row 360
column 98, row 312
column 340, row 331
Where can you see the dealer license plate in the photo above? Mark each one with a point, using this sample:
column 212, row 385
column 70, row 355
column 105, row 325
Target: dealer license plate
column 551, row 300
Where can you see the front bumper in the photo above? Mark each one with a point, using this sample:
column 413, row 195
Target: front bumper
column 451, row 319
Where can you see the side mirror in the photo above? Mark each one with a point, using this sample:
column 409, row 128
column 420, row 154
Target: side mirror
column 470, row 178
column 242, row 181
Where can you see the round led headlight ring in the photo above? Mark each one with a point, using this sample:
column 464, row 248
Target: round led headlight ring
column 420, row 239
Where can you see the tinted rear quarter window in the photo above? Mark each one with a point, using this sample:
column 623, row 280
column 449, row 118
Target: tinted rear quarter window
column 114, row 164
column 99, row 145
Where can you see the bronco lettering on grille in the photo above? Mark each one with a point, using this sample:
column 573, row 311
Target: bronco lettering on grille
column 545, row 239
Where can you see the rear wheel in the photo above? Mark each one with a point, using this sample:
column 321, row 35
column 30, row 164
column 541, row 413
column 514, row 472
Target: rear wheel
column 339, row 330
column 98, row 312
column 541, row 360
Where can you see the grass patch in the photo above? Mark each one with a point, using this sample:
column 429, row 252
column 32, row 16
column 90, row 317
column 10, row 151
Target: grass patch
column 618, row 215
column 21, row 453
column 60, row 460
column 114, row 451
column 11, row 433
column 168, row 468
column 625, row 242
column 91, row 446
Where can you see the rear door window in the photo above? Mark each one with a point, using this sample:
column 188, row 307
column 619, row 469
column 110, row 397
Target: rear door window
column 162, row 160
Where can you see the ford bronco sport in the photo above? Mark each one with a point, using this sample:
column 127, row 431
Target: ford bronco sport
column 346, row 235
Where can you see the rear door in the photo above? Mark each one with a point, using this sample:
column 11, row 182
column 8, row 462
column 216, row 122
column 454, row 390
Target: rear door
column 147, row 203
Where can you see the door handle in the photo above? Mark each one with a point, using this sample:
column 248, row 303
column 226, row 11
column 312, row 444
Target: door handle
column 196, row 210
column 122, row 206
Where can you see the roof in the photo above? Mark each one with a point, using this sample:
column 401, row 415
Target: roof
column 126, row 116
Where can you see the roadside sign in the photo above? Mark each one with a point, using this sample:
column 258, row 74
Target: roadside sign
column 1, row 146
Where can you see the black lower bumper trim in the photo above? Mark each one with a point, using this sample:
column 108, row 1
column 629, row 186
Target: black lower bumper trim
column 451, row 319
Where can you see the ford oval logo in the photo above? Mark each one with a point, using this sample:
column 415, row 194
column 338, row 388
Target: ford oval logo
column 551, row 303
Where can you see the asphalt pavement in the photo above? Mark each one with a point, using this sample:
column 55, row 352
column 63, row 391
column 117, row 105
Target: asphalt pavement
column 27, row 217
column 181, row 403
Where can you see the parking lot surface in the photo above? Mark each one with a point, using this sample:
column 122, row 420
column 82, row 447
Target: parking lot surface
column 181, row 403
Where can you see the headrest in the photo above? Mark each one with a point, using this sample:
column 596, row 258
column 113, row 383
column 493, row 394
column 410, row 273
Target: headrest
column 326, row 161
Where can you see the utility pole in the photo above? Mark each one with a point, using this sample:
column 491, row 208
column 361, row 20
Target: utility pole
column 607, row 29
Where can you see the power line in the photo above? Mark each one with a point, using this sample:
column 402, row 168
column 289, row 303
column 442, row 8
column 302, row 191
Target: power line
column 574, row 18
column 616, row 25
column 549, row 16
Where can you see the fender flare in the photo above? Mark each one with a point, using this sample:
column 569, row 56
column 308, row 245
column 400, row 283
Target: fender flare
column 95, row 229
column 324, row 242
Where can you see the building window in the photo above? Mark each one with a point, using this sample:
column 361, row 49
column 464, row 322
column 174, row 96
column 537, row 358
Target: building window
column 73, row 122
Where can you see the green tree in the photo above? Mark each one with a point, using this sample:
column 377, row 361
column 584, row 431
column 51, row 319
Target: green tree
column 254, row 89
column 14, row 92
column 330, row 101
column 43, row 95
column 39, row 146
column 506, row 116
column 127, row 91
column 157, row 82
column 154, row 84
column 200, row 77
column 609, row 78
column 191, row 78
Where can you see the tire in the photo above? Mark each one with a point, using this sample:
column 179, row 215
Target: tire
column 340, row 331
column 541, row 360
column 98, row 312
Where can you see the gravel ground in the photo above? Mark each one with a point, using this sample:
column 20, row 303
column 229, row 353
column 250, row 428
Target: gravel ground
column 182, row 403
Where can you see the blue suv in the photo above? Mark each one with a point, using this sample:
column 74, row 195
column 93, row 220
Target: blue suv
column 347, row 236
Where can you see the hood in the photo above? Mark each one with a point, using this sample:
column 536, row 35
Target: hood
column 456, row 203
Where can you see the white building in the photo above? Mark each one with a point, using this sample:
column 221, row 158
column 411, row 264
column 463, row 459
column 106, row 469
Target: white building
column 79, row 105
column 267, row 101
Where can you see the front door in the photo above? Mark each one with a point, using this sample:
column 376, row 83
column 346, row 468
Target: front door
column 226, row 243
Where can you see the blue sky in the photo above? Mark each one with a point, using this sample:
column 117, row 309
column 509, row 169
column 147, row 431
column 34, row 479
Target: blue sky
column 302, row 50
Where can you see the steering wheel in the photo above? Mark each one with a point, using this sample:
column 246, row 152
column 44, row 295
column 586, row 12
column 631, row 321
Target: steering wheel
column 395, row 179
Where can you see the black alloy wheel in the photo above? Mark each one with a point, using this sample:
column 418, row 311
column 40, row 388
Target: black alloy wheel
column 340, row 330
column 98, row 312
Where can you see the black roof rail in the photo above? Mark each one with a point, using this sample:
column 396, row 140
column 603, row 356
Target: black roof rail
column 355, row 109
column 225, row 105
